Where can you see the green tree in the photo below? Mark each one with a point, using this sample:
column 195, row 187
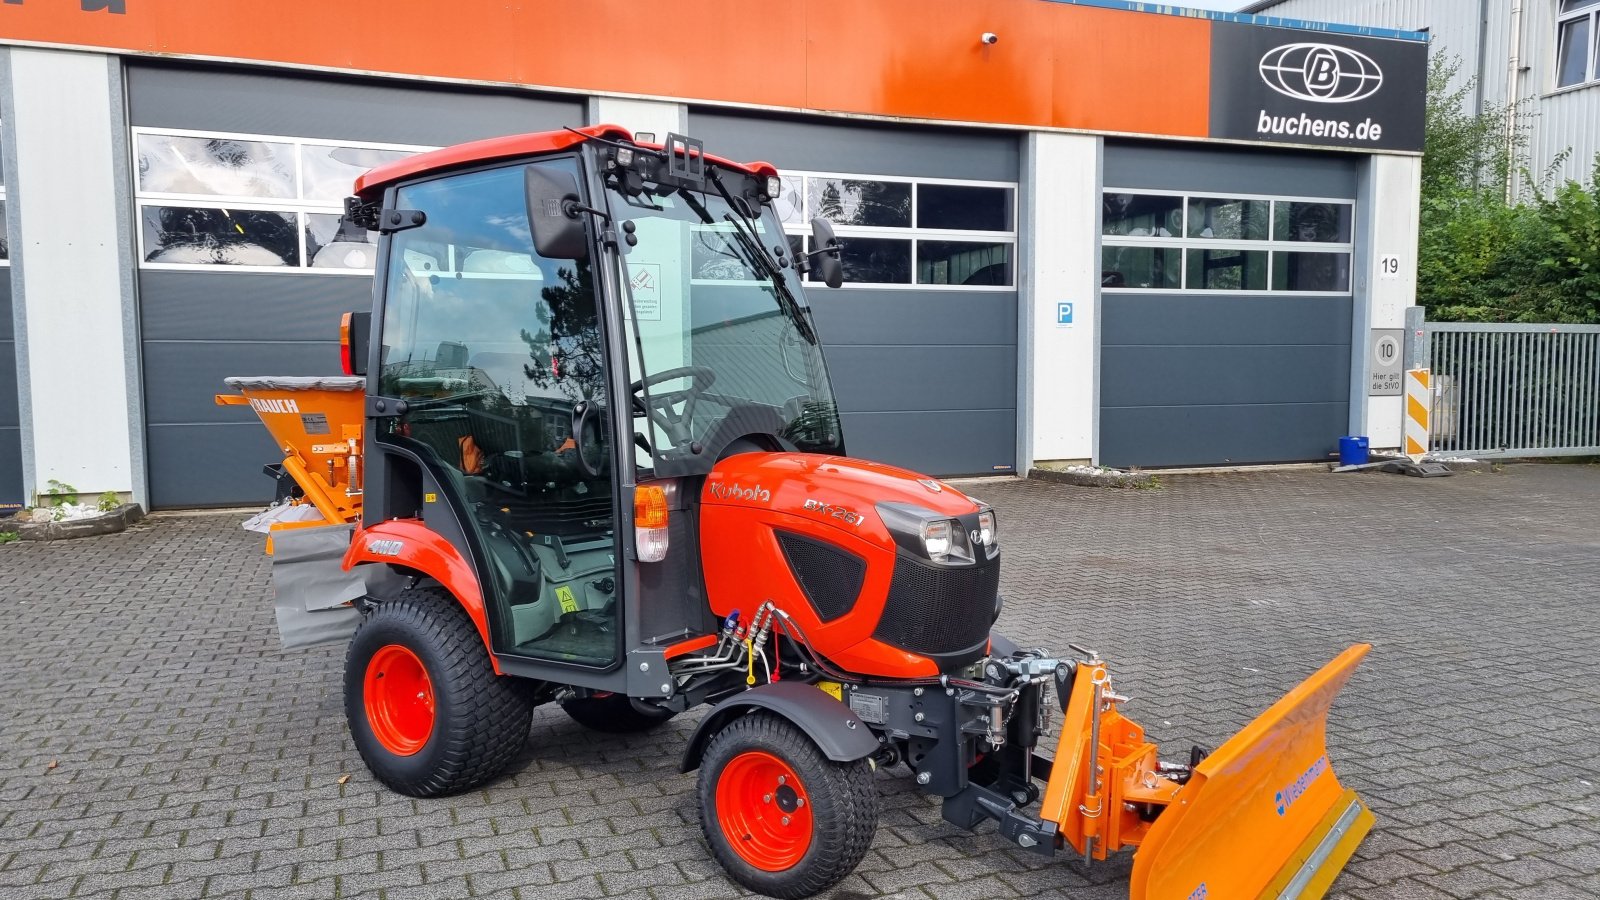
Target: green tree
column 1482, row 258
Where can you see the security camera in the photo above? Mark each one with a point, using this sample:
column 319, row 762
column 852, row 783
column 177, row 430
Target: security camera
column 990, row 37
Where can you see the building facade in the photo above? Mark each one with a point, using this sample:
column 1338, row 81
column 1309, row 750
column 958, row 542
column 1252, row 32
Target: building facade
column 1097, row 230
column 1542, row 54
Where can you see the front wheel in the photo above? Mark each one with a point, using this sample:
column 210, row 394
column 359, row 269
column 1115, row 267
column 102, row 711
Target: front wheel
column 427, row 712
column 781, row 818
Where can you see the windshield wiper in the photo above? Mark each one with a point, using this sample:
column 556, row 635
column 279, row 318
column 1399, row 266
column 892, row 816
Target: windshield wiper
column 752, row 245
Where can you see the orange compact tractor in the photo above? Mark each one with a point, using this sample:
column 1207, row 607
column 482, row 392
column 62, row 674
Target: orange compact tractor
column 597, row 462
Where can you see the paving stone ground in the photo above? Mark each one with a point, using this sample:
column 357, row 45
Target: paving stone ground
column 154, row 742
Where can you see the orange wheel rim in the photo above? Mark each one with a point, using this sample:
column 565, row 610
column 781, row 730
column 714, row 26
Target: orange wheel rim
column 399, row 699
column 764, row 811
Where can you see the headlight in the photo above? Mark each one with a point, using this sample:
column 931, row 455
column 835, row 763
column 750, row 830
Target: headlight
column 988, row 533
column 944, row 541
column 774, row 187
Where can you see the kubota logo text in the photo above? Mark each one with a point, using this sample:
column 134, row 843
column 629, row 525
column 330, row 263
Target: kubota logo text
column 757, row 494
column 1286, row 797
column 1321, row 73
column 275, row 406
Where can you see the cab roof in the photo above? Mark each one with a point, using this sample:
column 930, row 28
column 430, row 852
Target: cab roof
column 512, row 146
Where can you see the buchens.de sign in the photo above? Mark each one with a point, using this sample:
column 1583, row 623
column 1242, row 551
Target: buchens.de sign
column 1271, row 84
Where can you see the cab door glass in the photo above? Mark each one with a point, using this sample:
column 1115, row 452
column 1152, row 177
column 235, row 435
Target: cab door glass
column 497, row 352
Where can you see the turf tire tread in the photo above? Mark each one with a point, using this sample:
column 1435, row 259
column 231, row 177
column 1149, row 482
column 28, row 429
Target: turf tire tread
column 483, row 718
column 844, row 806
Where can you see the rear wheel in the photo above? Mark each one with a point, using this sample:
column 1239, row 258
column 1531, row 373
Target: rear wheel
column 613, row 714
column 780, row 817
column 427, row 712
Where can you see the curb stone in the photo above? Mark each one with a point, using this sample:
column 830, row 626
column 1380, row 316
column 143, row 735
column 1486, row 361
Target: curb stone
column 1112, row 478
column 110, row 523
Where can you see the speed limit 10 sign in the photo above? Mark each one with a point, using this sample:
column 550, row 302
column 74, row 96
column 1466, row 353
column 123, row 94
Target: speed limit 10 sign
column 1387, row 362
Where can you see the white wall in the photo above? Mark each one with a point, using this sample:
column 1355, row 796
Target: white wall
column 72, row 244
column 1059, row 264
column 1388, row 201
column 655, row 116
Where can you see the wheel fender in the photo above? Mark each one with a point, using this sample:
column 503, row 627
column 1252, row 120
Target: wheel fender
column 837, row 732
column 410, row 543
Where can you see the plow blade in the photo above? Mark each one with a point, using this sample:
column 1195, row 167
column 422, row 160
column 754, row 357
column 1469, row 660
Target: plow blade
column 1263, row 816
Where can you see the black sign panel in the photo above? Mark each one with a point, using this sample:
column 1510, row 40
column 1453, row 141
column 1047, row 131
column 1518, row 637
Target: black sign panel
column 1312, row 87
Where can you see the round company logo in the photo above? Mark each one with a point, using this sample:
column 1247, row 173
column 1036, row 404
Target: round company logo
column 1321, row 73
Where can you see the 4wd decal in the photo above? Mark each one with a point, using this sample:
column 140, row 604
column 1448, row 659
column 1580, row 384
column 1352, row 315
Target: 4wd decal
column 386, row 547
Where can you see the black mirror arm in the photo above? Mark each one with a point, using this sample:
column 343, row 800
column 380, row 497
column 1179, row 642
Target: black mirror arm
column 609, row 236
column 833, row 248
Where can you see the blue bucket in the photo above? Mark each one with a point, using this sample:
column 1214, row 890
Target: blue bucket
column 1353, row 450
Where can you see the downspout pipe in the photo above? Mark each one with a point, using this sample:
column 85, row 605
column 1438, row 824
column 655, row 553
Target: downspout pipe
column 1513, row 95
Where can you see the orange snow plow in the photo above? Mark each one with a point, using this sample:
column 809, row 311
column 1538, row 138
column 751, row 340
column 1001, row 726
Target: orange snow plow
column 1261, row 816
column 316, row 422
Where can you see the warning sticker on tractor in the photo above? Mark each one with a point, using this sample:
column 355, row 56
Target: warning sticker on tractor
column 315, row 423
column 569, row 603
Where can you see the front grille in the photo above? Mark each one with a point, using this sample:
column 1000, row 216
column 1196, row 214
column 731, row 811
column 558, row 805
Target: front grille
column 829, row 577
column 939, row 610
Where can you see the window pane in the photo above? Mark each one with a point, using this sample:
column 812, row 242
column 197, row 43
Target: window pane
column 716, row 254
column 790, row 204
column 963, row 262
column 222, row 166
column 849, row 201
column 5, row 246
column 330, row 172
column 212, row 237
column 333, row 243
column 963, row 208
column 1311, row 272
column 1572, row 57
column 1575, row 5
column 1328, row 223
column 1141, row 215
column 1141, row 267
column 1237, row 220
column 871, row 261
column 1227, row 270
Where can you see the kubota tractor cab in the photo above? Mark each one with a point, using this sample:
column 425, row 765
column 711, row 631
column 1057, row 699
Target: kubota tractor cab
column 601, row 465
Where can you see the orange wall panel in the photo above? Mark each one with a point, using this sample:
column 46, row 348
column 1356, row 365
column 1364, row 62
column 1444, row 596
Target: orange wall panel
column 1055, row 64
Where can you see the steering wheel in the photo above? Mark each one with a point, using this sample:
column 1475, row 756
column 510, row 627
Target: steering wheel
column 675, row 424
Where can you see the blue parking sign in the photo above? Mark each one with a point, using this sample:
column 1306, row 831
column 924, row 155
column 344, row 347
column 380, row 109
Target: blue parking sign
column 1063, row 313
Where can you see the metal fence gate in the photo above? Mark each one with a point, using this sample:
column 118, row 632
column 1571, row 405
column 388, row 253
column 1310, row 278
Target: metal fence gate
column 1514, row 390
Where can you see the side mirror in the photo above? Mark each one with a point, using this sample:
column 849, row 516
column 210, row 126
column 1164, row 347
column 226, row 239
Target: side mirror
column 558, row 227
column 827, row 253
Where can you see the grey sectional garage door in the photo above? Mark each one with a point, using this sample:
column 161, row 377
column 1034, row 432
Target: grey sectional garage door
column 1226, row 299
column 248, row 169
column 921, row 343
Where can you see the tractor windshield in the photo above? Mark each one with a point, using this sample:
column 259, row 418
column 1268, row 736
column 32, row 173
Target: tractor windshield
column 720, row 343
